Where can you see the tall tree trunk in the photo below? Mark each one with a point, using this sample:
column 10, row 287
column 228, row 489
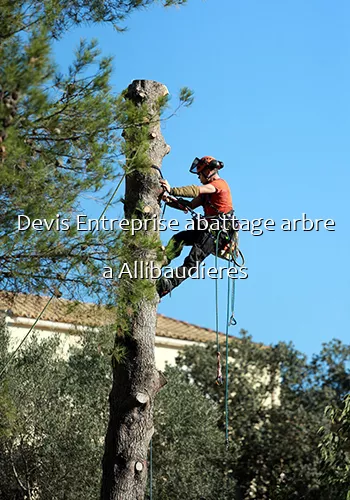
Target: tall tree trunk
column 135, row 378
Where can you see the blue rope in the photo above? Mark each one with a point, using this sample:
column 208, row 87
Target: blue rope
column 226, row 360
column 217, row 298
column 230, row 321
column 150, row 470
column 218, row 355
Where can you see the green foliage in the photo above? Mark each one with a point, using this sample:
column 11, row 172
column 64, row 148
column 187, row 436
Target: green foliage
column 134, row 119
column 55, row 442
column 189, row 449
column 335, row 449
column 274, row 441
column 136, row 246
column 53, row 447
column 168, row 3
column 119, row 352
column 59, row 141
column 53, row 416
column 7, row 412
column 62, row 15
column 186, row 96
column 329, row 371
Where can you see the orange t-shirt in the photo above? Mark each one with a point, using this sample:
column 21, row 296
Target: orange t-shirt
column 218, row 202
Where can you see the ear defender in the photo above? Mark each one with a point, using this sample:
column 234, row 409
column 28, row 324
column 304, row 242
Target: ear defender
column 216, row 164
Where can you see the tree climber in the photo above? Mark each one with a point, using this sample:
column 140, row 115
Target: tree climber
column 215, row 197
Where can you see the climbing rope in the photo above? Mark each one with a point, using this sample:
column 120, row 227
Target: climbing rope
column 150, row 470
column 218, row 354
column 230, row 321
column 226, row 357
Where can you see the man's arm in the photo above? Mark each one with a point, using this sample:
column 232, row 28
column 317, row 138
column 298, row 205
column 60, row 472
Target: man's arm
column 196, row 202
column 207, row 189
column 177, row 203
column 192, row 191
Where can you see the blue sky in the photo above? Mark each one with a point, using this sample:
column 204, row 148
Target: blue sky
column 271, row 82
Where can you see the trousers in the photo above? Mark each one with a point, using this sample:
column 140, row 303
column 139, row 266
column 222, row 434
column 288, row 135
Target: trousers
column 203, row 244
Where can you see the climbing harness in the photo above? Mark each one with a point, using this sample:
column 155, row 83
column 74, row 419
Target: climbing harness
column 225, row 234
column 229, row 246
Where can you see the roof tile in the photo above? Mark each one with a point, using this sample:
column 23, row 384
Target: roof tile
column 93, row 315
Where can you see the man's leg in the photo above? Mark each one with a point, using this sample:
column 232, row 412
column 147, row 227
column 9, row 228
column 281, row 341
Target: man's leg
column 176, row 244
column 203, row 245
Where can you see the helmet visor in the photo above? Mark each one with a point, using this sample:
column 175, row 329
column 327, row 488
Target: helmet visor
column 196, row 166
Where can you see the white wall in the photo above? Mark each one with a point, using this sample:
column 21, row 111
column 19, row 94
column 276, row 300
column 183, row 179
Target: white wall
column 166, row 350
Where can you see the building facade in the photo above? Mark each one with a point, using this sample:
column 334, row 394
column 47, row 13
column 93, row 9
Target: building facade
column 68, row 318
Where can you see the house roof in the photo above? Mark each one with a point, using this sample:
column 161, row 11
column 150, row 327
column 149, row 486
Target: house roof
column 92, row 315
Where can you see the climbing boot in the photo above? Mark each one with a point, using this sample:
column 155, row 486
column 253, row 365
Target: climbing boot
column 164, row 286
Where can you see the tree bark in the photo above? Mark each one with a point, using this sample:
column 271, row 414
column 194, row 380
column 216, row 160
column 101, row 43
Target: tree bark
column 135, row 378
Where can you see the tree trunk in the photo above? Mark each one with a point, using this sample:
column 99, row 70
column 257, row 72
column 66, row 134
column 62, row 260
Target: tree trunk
column 135, row 378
